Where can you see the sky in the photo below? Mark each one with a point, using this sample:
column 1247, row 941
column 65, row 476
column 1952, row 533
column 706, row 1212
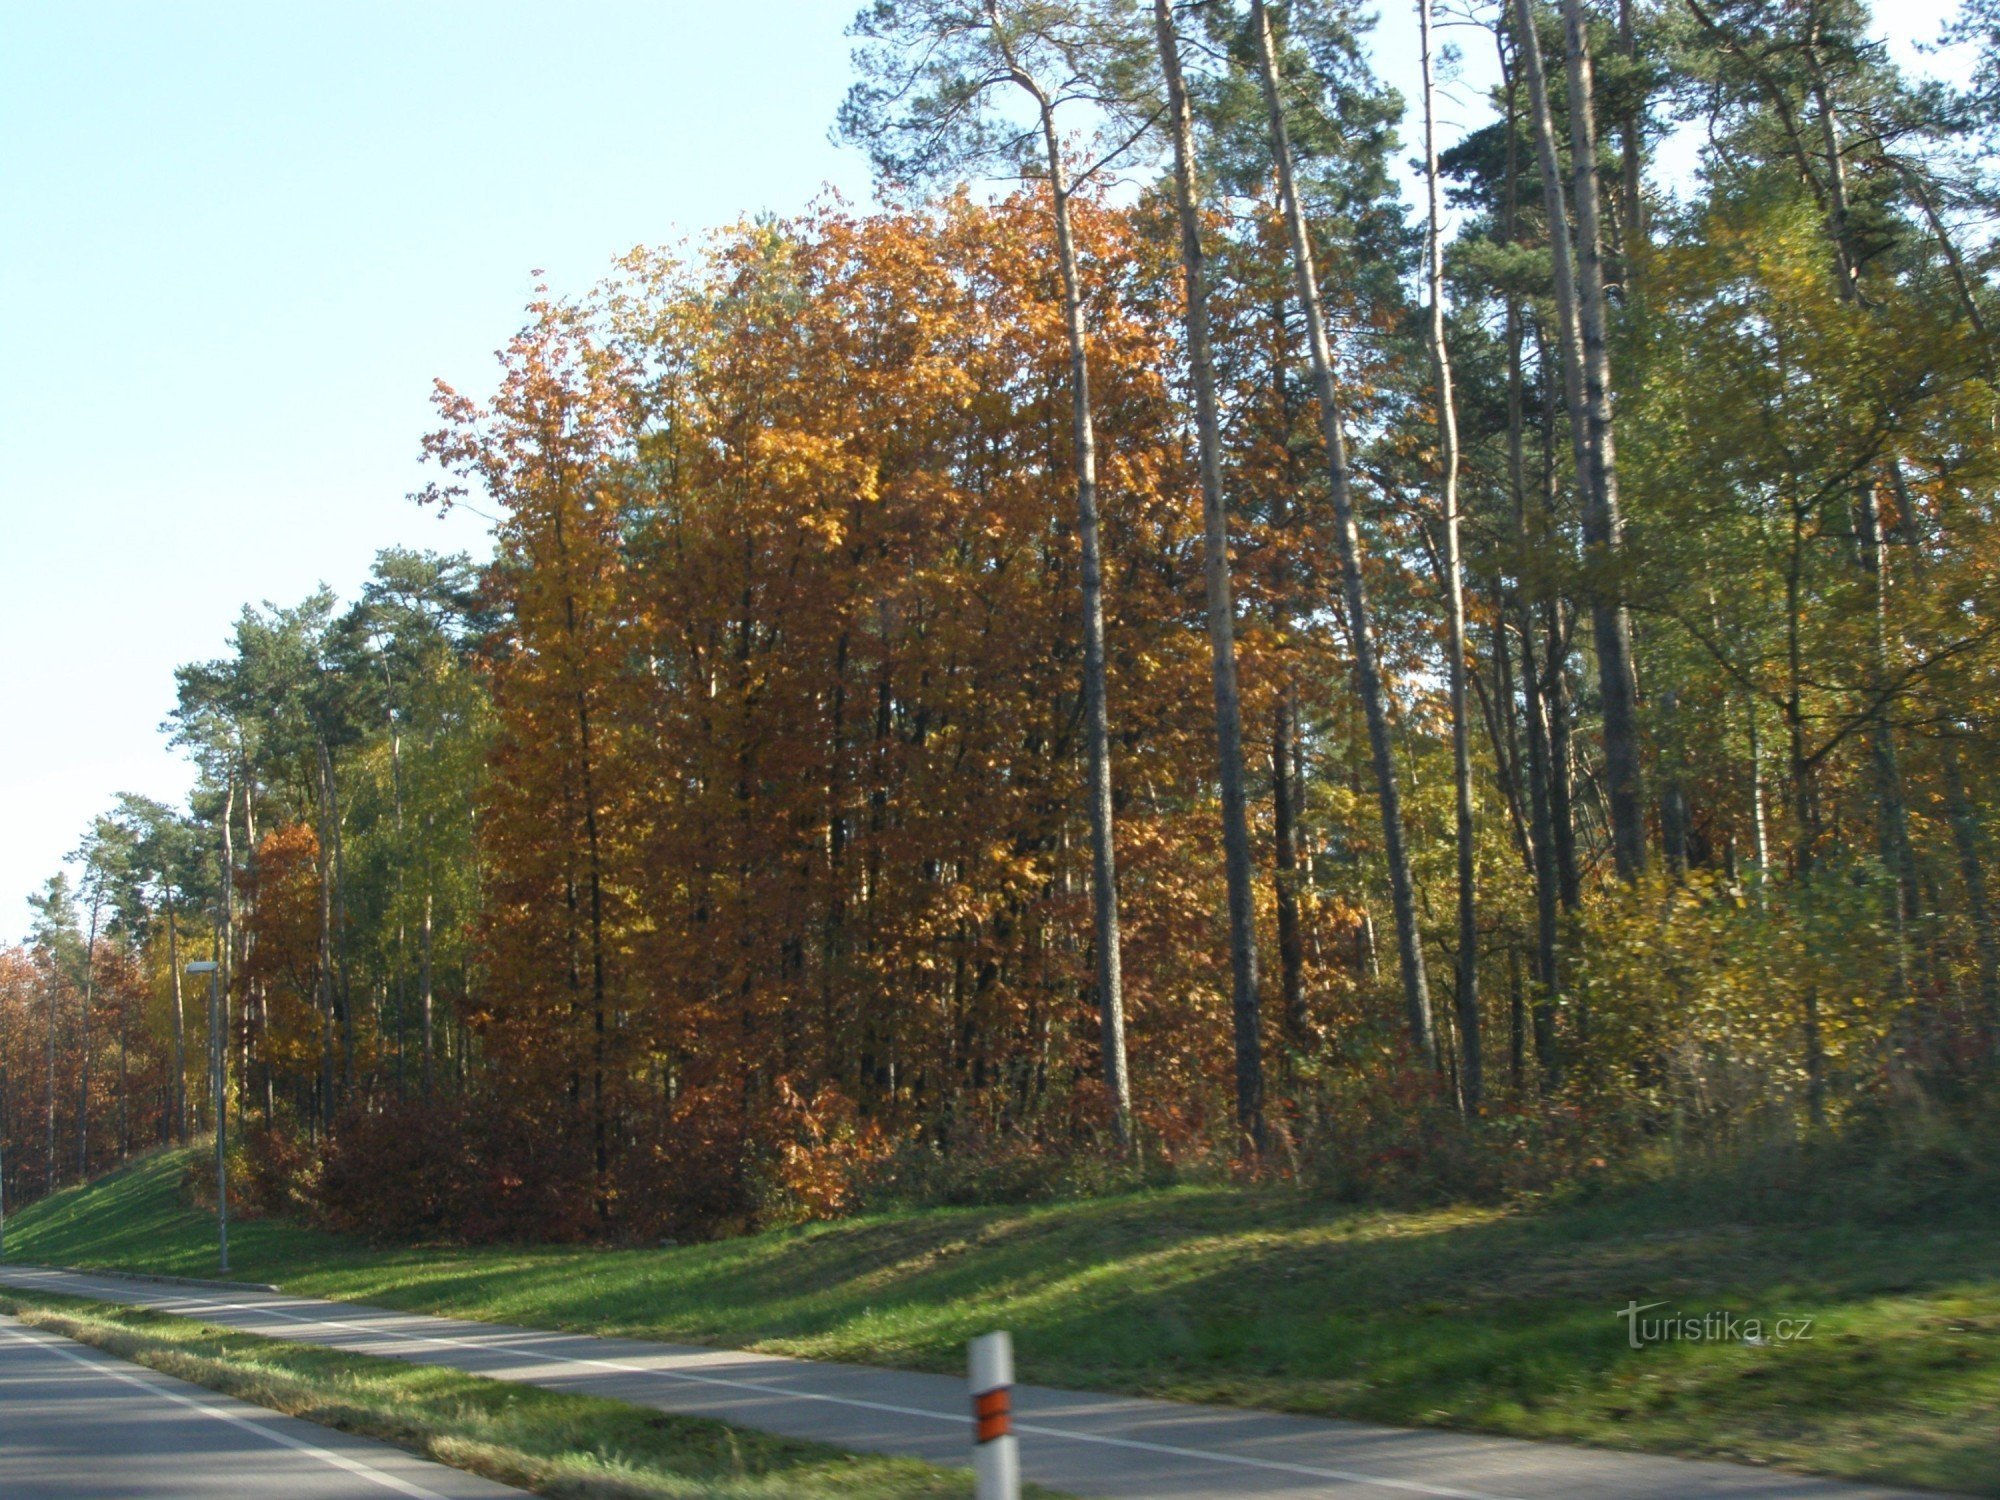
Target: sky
column 241, row 240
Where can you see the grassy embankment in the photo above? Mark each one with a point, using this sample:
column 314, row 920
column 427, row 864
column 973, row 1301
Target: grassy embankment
column 1490, row 1319
column 574, row 1447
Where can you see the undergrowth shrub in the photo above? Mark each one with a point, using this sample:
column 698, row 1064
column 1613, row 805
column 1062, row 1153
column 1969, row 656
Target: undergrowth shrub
column 273, row 1170
column 811, row 1156
column 458, row 1170
column 1682, row 1061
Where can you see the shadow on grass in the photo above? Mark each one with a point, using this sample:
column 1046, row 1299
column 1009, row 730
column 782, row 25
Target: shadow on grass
column 1496, row 1320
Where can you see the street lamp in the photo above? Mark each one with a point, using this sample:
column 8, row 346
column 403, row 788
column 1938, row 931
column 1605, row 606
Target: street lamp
column 219, row 1086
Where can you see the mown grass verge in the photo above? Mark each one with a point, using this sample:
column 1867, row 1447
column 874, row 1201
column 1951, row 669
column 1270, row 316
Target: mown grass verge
column 575, row 1447
column 1491, row 1319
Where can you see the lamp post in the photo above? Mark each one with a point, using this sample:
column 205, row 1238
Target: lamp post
column 219, row 1099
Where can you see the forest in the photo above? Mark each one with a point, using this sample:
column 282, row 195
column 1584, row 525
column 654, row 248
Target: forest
column 1147, row 651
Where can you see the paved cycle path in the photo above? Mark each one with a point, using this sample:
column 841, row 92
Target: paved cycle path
column 1117, row 1447
column 78, row 1424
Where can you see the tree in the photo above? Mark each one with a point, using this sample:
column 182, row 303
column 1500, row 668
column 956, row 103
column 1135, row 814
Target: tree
column 104, row 858
column 1611, row 624
column 55, row 940
column 1245, row 1007
column 1466, row 984
column 1360, row 621
column 163, row 864
column 925, row 108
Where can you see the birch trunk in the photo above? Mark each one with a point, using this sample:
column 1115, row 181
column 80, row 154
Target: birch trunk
column 1892, row 823
column 1805, row 804
column 1466, row 988
column 1759, row 824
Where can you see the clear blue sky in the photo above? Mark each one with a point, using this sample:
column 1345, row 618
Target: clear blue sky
column 239, row 242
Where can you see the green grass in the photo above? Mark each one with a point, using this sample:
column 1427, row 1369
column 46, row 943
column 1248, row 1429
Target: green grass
column 554, row 1444
column 1490, row 1319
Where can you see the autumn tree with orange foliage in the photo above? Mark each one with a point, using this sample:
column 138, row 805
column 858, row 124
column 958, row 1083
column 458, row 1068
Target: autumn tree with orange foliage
column 730, row 847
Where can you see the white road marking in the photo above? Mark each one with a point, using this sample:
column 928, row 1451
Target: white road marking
column 1209, row 1455
column 249, row 1424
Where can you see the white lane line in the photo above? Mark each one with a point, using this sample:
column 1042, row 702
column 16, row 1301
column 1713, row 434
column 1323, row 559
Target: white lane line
column 1210, row 1455
column 1216, row 1456
column 248, row 1424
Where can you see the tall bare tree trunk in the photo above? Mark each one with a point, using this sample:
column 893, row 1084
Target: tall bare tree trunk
column 326, row 988
column 1535, row 702
column 1534, row 699
column 227, row 956
column 55, row 987
column 124, row 1079
column 178, row 1096
column 5, row 1123
column 1466, row 989
column 1588, row 401
column 255, row 1002
column 1409, row 947
column 430, row 1051
column 1838, row 223
column 1244, row 1003
column 1558, row 633
column 1289, row 867
column 343, row 993
column 1631, row 150
column 402, row 867
column 1096, row 707
column 1611, row 625
column 1892, row 822
column 599, row 993
column 1528, row 49
column 1759, row 824
column 1676, row 816
column 1805, row 802
column 83, row 1085
column 1286, row 796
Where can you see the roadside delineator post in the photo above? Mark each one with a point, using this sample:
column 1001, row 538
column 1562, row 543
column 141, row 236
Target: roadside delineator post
column 996, row 1465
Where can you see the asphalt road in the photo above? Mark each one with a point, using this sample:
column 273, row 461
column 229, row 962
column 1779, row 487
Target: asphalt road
column 1089, row 1445
column 77, row 1424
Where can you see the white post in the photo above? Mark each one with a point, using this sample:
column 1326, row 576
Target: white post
column 996, row 1465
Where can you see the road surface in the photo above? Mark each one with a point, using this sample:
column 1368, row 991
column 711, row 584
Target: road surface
column 1116, row 1447
column 77, row 1424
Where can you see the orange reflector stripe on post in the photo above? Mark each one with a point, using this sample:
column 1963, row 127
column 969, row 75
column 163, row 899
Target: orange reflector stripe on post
column 996, row 1458
column 993, row 1412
